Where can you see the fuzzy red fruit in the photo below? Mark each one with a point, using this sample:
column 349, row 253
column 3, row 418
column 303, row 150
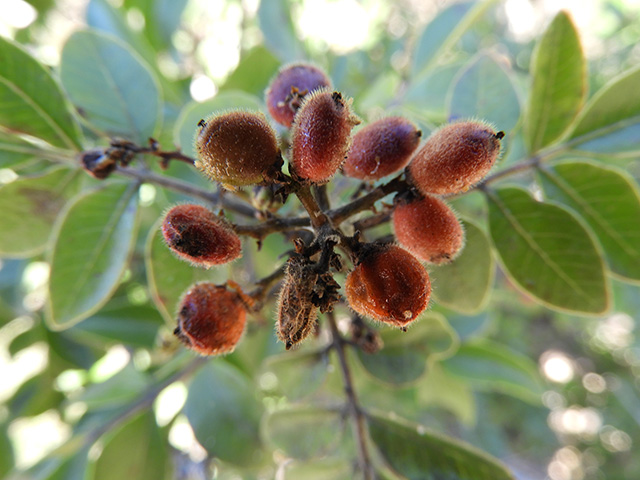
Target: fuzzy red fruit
column 390, row 285
column 381, row 148
column 237, row 148
column 429, row 229
column 289, row 87
column 455, row 157
column 211, row 319
column 198, row 235
column 321, row 136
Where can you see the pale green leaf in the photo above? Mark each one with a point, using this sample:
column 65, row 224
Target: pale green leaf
column 278, row 29
column 91, row 250
column 559, row 83
column 31, row 101
column 548, row 252
column 299, row 374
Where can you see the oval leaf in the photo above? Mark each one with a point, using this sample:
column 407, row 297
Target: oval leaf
column 607, row 199
column 559, row 83
column 490, row 365
column 111, row 86
column 91, row 251
column 137, row 450
column 299, row 374
column 169, row 277
column 403, row 357
column 464, row 284
column 547, row 252
column 29, row 207
column 610, row 123
column 187, row 123
column 31, row 101
column 304, row 433
column 224, row 413
column 485, row 90
column 418, row 454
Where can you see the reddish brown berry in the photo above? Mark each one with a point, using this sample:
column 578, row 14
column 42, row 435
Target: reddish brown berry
column 198, row 235
column 211, row 319
column 321, row 135
column 429, row 229
column 390, row 285
column 288, row 88
column 237, row 148
column 381, row 148
column 455, row 157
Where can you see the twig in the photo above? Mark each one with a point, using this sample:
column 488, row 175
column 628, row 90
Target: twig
column 317, row 216
column 357, row 416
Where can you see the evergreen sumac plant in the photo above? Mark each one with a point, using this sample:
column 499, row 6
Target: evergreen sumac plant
column 388, row 238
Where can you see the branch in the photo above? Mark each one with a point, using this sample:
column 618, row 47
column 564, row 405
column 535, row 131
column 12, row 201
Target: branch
column 359, row 428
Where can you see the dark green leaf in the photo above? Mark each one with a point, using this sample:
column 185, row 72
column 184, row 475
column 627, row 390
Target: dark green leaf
column 92, row 247
column 299, row 374
column 490, row 365
column 73, row 468
column 304, row 432
column 169, row 277
column 111, row 86
column 29, row 207
column 608, row 199
column 559, row 83
column 464, row 284
column 136, row 450
column 224, row 413
column 547, row 252
column 403, row 358
column 444, row 31
column 278, row 30
column 162, row 18
column 31, row 101
column 185, row 128
column 35, row 396
column 610, row 122
column 485, row 90
column 446, row 391
column 253, row 73
column 6, row 451
column 417, row 454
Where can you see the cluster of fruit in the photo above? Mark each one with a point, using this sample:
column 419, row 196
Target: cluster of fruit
column 388, row 283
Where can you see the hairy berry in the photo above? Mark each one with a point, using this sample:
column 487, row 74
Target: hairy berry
column 198, row 235
column 455, row 157
column 237, row 148
column 211, row 319
column 381, row 148
column 428, row 228
column 289, row 87
column 389, row 284
column 321, row 135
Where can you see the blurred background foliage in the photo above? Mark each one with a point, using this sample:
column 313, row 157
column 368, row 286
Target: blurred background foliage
column 553, row 395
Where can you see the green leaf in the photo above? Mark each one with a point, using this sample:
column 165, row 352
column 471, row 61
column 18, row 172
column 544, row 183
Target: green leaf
column 120, row 389
column 278, row 30
column 111, row 85
column 299, row 374
column 444, row 31
column 485, row 90
column 169, row 277
column 489, row 365
column 610, row 122
column 185, row 128
column 607, row 198
column 29, row 207
column 418, row 454
column 74, row 467
column 6, row 451
column 224, row 413
column 429, row 92
column 252, row 75
column 464, row 284
column 92, row 247
column 137, row 450
column 304, row 432
column 325, row 469
column 403, row 357
column 547, row 252
column 559, row 83
column 440, row 389
column 14, row 151
column 162, row 18
column 31, row 101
